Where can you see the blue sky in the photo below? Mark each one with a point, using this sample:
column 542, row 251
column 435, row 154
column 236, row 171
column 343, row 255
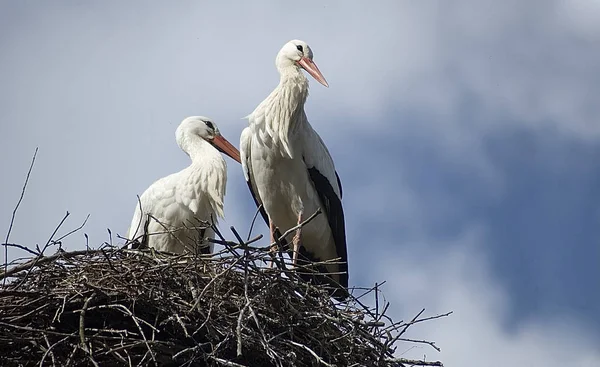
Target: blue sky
column 466, row 135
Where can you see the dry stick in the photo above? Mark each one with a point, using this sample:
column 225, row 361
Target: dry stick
column 229, row 246
column 59, row 310
column 109, row 235
column 245, row 282
column 284, row 235
column 135, row 320
column 253, row 220
column 241, row 315
column 140, row 222
column 113, row 351
column 48, row 351
column 210, row 308
column 226, row 363
column 238, row 329
column 422, row 342
column 180, row 322
column 429, row 318
column 45, row 259
column 72, row 354
column 90, row 357
column 246, row 248
column 319, row 359
column 242, row 244
column 414, row 362
column 82, row 322
column 411, row 322
column 21, row 247
column 293, row 229
column 197, row 302
column 108, row 260
column 167, row 230
column 14, row 213
column 41, row 252
column 30, row 329
column 234, row 245
column 190, row 349
column 49, row 242
column 248, row 301
column 36, row 310
column 73, row 231
column 376, row 302
column 364, row 307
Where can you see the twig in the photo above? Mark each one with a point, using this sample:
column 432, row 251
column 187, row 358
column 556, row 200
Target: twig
column 413, row 362
column 411, row 322
column 432, row 344
column 414, row 321
column 226, row 363
column 253, row 221
column 41, row 252
column 238, row 329
column 319, row 359
column 82, row 322
column 211, row 282
column 42, row 260
column 74, row 230
column 293, row 229
column 21, row 247
column 49, row 242
column 49, row 351
column 14, row 213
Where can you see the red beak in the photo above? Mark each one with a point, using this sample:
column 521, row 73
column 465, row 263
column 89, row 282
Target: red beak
column 227, row 148
column 308, row 65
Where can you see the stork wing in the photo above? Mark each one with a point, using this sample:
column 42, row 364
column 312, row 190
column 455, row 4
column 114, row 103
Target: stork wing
column 328, row 186
column 136, row 233
column 163, row 201
column 245, row 154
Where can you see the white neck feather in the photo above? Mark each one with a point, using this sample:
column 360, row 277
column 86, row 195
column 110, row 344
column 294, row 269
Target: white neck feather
column 207, row 175
column 282, row 112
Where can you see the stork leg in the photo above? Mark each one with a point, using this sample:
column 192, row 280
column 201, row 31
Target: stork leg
column 296, row 242
column 273, row 248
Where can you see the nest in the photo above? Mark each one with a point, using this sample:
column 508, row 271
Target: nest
column 114, row 306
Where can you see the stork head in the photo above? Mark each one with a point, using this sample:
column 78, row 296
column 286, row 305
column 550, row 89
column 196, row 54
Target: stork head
column 205, row 128
column 298, row 54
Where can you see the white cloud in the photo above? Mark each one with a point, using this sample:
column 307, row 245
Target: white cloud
column 582, row 16
column 456, row 278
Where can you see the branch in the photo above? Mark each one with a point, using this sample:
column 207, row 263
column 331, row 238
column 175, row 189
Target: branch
column 412, row 362
column 293, row 229
column 14, row 213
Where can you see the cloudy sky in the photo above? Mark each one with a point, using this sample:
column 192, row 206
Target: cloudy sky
column 466, row 134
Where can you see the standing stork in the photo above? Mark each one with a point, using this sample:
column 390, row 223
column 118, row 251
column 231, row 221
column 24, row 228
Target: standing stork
column 290, row 171
column 170, row 208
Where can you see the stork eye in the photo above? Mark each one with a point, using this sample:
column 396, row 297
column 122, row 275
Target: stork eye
column 299, row 47
column 210, row 125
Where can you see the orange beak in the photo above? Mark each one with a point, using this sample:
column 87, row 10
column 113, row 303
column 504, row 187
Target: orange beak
column 310, row 67
column 227, row 148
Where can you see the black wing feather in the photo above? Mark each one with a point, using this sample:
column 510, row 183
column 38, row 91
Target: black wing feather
column 339, row 184
column 262, row 210
column 332, row 206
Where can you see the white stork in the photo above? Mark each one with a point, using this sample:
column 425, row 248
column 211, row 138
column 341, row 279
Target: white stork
column 290, row 171
column 172, row 206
